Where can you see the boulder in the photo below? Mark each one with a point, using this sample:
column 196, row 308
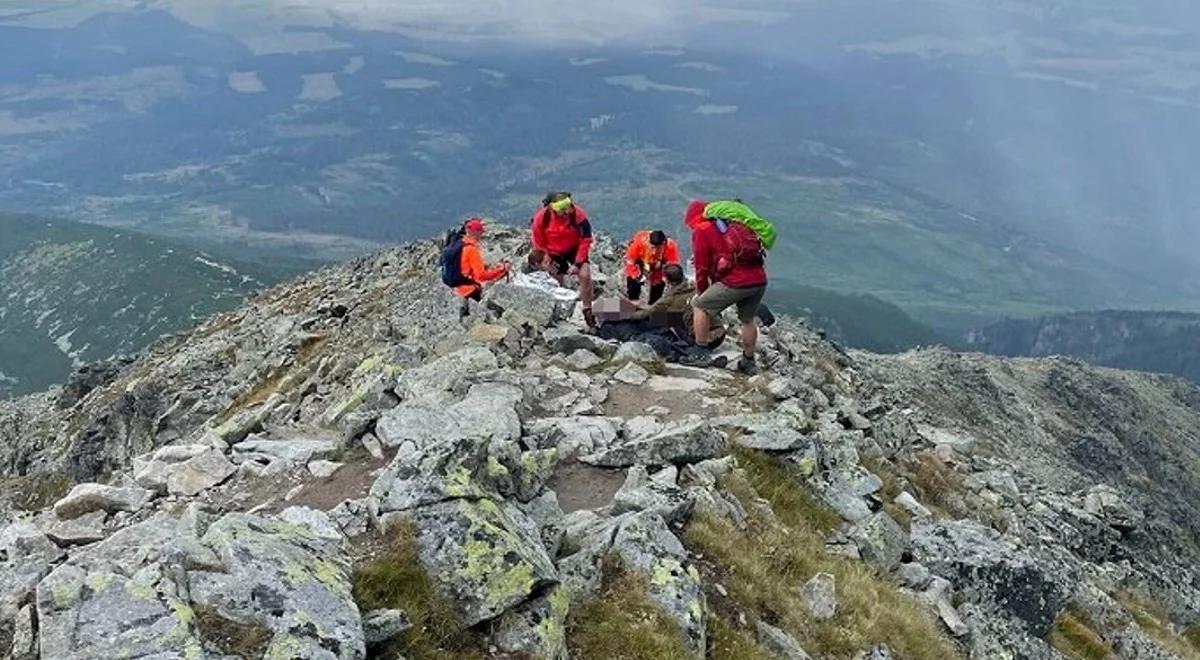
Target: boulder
column 582, row 360
column 537, row 628
column 782, row 388
column 687, row 441
column 297, row 451
column 24, row 644
column 567, row 339
column 1106, row 503
column 199, row 473
column 487, row 557
column 436, row 378
column 324, row 469
column 488, row 411
column 881, row 541
column 572, row 436
column 525, row 308
column 819, row 595
column 635, row 351
column 646, row 545
column 351, row 517
column 380, row 626
column 86, row 498
column 83, row 530
column 640, row 492
column 779, row 643
column 767, row 431
column 632, row 374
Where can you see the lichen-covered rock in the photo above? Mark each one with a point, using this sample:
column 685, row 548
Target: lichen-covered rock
column 881, row 541
column 687, row 441
column 488, row 411
column 646, row 545
column 640, row 492
column 287, row 578
column 537, row 628
column 416, row 478
column 83, row 530
column 820, row 597
column 485, row 556
column 778, row 642
column 573, row 436
column 380, row 626
column 86, row 498
column 525, row 308
column 434, row 380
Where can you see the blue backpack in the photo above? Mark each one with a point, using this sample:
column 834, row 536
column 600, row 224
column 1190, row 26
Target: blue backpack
column 451, row 262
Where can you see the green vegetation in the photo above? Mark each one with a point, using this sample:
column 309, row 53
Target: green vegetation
column 728, row 642
column 764, row 566
column 228, row 637
column 858, row 320
column 890, row 490
column 1156, row 623
column 396, row 579
column 35, row 492
column 1074, row 638
column 622, row 623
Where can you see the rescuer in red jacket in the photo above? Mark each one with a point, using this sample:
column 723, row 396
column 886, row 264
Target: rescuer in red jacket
column 562, row 234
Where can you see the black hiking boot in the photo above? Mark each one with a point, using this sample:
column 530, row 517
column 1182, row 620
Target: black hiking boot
column 747, row 366
column 702, row 357
column 589, row 318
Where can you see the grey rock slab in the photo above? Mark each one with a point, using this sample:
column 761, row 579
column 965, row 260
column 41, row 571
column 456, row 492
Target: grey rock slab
column 373, row 446
column 293, row 450
column 779, row 643
column 819, row 595
column 380, row 626
column 86, row 498
column 881, row 541
column 24, row 644
column 22, row 540
column 179, row 453
column 488, row 411
column 351, row 517
column 911, row 505
column 18, row 580
column 687, row 441
column 485, row 556
column 782, row 388
column 582, row 360
column 322, row 469
column 567, row 340
column 318, row 523
column 635, row 351
column 199, row 473
column 88, row 528
column 632, row 374
column 573, row 436
column 641, row 492
column 536, row 628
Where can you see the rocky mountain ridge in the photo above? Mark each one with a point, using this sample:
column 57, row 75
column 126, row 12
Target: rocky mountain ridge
column 341, row 468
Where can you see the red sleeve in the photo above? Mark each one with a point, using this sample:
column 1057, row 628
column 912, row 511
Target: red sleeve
column 493, row 274
column 585, row 236
column 671, row 252
column 701, row 258
column 537, row 229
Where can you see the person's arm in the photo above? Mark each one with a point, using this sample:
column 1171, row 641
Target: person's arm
column 701, row 258
column 671, row 252
column 493, row 274
column 632, row 268
column 585, row 233
column 472, row 262
column 537, row 229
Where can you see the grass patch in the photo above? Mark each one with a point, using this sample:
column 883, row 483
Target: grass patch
column 938, row 485
column 622, row 623
column 765, row 566
column 727, row 642
column 1156, row 624
column 889, row 492
column 1192, row 635
column 1074, row 638
column 36, row 491
column 232, row 638
column 396, row 579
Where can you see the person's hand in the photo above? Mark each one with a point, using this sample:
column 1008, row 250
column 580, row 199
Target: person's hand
column 573, row 270
column 550, row 266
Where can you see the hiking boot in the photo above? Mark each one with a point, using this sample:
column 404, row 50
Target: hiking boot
column 589, row 318
column 747, row 366
column 702, row 357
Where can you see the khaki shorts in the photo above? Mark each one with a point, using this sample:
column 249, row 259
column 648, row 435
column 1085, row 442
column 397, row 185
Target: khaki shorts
column 718, row 297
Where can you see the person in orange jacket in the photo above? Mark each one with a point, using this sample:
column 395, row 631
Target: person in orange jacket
column 472, row 266
column 647, row 254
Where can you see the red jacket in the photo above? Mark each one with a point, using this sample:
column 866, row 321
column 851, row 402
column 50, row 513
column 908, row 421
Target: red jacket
column 559, row 235
column 708, row 244
column 472, row 266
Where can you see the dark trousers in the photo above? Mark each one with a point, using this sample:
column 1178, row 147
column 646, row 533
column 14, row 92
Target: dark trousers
column 633, row 290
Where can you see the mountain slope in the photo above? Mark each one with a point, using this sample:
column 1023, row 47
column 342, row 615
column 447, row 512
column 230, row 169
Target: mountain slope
column 75, row 293
column 1164, row 342
column 343, row 449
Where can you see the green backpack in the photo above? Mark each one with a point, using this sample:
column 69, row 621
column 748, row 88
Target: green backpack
column 743, row 215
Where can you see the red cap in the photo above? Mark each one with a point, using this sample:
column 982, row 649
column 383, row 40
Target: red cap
column 474, row 225
column 695, row 214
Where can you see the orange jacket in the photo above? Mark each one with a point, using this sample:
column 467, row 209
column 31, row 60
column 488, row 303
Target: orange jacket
column 640, row 253
column 472, row 267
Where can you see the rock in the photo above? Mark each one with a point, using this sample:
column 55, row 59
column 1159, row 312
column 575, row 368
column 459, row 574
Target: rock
column 635, row 351
column 86, row 498
column 768, row 432
column 914, row 576
column 545, row 512
column 351, row 517
column 939, row 597
column 643, row 493
column 911, row 505
column 381, row 626
column 324, row 469
column 537, row 628
column 782, row 388
column 282, row 576
column 849, row 505
column 492, row 334
column 582, row 360
column 646, row 545
column 83, row 530
column 985, row 569
column 417, row 478
column 820, row 597
column 879, row 652
column 881, row 541
column 199, row 473
column 373, row 446
column 242, row 424
column 433, row 380
column 1105, row 503
column 488, row 411
column 573, row 436
column 24, row 644
column 567, row 340
column 21, row 540
column 319, row 523
column 687, row 441
column 487, row 557
column 780, row 644
column 525, row 308
column 298, row 451
column 632, row 374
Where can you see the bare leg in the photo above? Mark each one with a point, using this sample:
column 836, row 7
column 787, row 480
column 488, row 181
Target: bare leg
column 701, row 325
column 585, row 285
column 749, row 338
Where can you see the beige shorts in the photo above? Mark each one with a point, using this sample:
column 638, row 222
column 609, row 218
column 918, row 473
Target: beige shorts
column 718, row 297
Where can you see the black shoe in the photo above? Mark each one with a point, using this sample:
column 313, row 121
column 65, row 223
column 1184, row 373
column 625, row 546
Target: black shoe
column 765, row 316
column 589, row 318
column 702, row 357
column 747, row 366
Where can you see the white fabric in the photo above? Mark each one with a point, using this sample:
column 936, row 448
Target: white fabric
column 544, row 282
